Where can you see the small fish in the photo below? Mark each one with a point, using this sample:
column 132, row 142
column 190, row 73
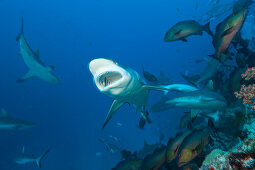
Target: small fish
column 119, row 124
column 109, row 146
column 183, row 29
column 115, row 138
column 144, row 118
column 174, row 144
column 155, row 160
column 226, row 31
column 148, row 76
column 185, row 120
column 193, row 145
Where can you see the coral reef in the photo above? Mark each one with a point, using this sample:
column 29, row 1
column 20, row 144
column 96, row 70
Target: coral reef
column 247, row 92
column 241, row 156
column 217, row 159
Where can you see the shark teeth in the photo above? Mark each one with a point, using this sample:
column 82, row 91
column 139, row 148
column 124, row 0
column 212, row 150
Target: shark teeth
column 107, row 78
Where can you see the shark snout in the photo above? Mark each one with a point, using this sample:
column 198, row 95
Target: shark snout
column 109, row 77
column 98, row 64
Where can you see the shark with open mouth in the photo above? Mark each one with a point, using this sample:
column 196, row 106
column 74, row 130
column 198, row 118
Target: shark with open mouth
column 121, row 83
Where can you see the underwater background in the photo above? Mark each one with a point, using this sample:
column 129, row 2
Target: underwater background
column 69, row 35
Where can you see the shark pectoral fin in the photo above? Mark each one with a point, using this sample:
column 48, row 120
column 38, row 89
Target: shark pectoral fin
column 27, row 76
column 114, row 108
column 194, row 113
column 21, row 30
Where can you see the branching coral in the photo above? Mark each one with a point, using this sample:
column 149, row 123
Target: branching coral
column 247, row 92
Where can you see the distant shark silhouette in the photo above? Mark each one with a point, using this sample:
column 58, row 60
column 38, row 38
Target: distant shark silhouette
column 25, row 159
column 9, row 123
column 123, row 84
column 32, row 60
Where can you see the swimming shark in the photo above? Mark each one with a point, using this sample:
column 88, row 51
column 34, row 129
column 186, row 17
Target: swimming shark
column 25, row 159
column 9, row 123
column 202, row 99
column 199, row 99
column 209, row 71
column 32, row 60
column 121, row 83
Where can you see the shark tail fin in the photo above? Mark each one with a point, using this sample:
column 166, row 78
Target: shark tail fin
column 192, row 80
column 39, row 159
column 207, row 29
column 21, row 30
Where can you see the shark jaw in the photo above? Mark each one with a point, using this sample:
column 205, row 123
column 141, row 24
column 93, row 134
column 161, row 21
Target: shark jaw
column 109, row 77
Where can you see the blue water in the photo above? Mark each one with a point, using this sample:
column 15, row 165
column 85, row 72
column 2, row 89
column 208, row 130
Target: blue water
column 69, row 35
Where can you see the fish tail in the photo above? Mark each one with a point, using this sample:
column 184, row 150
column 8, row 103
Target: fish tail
column 193, row 81
column 207, row 29
column 212, row 127
column 39, row 160
column 21, row 30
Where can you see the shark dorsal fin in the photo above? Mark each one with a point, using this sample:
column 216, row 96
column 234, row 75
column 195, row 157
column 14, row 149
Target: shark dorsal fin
column 4, row 113
column 23, row 149
column 209, row 85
